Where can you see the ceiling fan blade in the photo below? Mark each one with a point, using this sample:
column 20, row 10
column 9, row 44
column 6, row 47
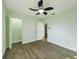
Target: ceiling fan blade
column 37, row 13
column 48, row 8
column 40, row 3
column 45, row 13
column 33, row 9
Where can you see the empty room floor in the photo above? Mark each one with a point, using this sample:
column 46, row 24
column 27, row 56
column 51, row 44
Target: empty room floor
column 38, row 50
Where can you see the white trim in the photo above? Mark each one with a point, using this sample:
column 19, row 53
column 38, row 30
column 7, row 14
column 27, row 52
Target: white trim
column 25, row 42
column 63, row 46
column 16, row 41
column 10, row 34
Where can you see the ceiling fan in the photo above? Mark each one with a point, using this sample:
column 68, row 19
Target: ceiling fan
column 41, row 9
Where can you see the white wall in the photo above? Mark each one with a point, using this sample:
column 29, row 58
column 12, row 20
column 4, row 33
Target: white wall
column 29, row 30
column 3, row 30
column 16, row 25
column 63, row 28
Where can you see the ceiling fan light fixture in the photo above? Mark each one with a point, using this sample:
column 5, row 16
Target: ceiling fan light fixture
column 41, row 7
column 41, row 11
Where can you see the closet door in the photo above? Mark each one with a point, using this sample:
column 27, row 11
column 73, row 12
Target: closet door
column 40, row 30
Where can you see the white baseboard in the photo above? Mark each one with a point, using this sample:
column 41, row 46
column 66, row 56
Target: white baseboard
column 16, row 41
column 25, row 42
column 63, row 46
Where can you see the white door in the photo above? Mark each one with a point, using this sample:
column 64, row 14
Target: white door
column 40, row 30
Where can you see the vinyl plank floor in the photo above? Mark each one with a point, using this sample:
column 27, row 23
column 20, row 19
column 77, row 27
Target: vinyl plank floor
column 37, row 50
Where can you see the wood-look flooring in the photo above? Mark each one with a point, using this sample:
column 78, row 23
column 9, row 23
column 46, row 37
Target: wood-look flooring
column 37, row 50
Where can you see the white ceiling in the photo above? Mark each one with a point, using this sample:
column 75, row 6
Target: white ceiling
column 21, row 6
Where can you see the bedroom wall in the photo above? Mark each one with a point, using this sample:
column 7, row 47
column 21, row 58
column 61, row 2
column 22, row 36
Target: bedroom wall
column 28, row 26
column 62, row 29
column 7, row 30
column 3, row 30
column 29, row 30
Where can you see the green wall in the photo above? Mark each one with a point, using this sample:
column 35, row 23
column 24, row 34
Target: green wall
column 7, row 31
column 3, row 30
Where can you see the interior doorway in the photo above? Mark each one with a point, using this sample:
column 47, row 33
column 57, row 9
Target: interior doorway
column 42, row 31
column 15, row 31
column 45, row 32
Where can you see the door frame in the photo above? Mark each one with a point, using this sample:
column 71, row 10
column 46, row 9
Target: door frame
column 10, row 34
column 45, row 31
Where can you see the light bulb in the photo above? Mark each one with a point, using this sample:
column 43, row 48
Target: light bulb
column 41, row 11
